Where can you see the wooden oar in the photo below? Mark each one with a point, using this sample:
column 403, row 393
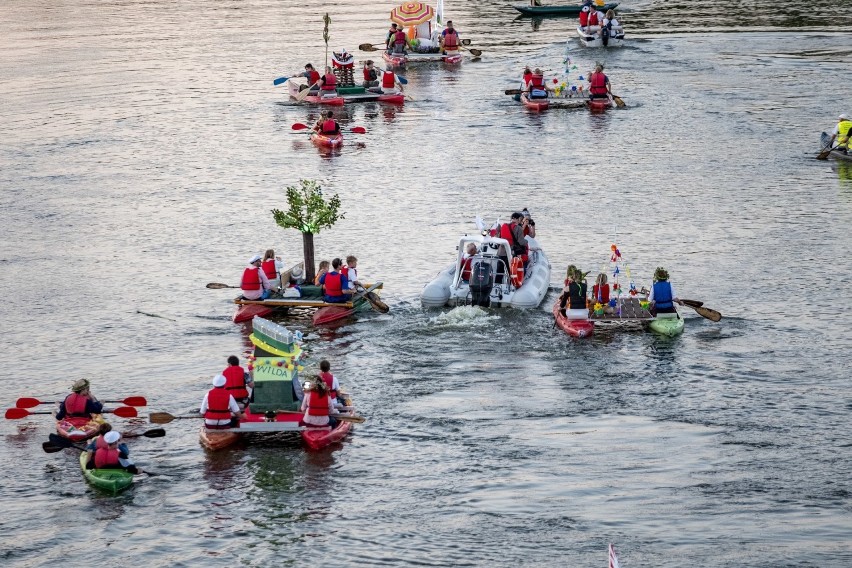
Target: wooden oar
column 618, row 102
column 712, row 315
column 371, row 46
column 122, row 411
column 692, row 303
column 824, row 154
column 300, row 126
column 514, row 91
column 474, row 52
column 348, row 418
column 371, row 297
column 165, row 417
column 304, row 94
column 219, row 286
column 129, row 401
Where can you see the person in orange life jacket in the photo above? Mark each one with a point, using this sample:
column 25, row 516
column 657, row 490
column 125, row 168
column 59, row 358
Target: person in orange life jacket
column 111, row 457
column 391, row 36
column 219, row 407
column 254, row 284
column 328, row 83
column 272, row 267
column 332, row 383
column 335, row 285
column 323, row 268
column 238, row 380
column 528, row 224
column 662, row 296
column 317, row 405
column 574, row 295
column 599, row 87
column 326, row 124
column 313, row 78
column 350, row 271
column 470, row 252
column 536, row 85
column 398, row 42
column 81, row 402
column 371, row 75
column 99, row 442
column 450, row 39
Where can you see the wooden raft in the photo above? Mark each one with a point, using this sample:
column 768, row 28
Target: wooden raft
column 631, row 311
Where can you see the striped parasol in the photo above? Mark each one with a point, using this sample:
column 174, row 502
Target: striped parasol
column 412, row 14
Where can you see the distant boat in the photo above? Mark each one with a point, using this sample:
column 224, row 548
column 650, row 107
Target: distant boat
column 556, row 10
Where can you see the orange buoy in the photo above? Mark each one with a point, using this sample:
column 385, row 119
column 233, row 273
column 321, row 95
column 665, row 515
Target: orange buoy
column 516, row 272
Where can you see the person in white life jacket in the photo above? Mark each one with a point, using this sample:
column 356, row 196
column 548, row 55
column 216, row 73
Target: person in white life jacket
column 317, row 405
column 536, row 86
column 371, row 75
column 450, row 39
column 254, row 284
column 326, row 124
column 81, row 402
column 663, row 296
column 599, row 86
column 219, row 407
column 842, row 132
column 238, row 380
column 111, row 457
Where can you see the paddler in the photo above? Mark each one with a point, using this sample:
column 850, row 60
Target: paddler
column 450, row 39
column 317, row 405
column 272, row 266
column 328, row 84
column 371, row 75
column 599, row 87
column 111, row 457
column 81, row 402
column 331, row 382
column 219, row 407
column 536, row 85
column 254, row 284
column 391, row 36
column 100, row 442
column 350, row 271
column 390, row 84
column 662, row 296
column 313, row 77
column 326, row 124
column 398, row 41
column 574, row 295
column 238, row 380
column 842, row 133
column 335, row 286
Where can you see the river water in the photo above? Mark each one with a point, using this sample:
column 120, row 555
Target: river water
column 143, row 144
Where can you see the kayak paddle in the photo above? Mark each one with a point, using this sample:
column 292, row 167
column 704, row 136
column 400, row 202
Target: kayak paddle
column 165, row 417
column 219, row 285
column 618, row 102
column 304, row 94
column 692, row 303
column 16, row 413
column 280, row 81
column 57, row 444
column 348, row 418
column 712, row 315
column 129, row 401
column 300, row 126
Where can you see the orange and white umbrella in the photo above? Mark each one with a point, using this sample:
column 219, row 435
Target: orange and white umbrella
column 412, row 14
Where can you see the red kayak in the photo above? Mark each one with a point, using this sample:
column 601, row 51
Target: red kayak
column 574, row 328
column 314, row 99
column 327, row 140
column 246, row 312
column 318, row 438
column 599, row 105
column 537, row 105
column 331, row 314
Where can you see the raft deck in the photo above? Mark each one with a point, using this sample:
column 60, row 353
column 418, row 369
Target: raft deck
column 628, row 312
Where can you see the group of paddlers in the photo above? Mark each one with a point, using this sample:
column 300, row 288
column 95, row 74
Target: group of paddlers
column 419, row 39
column 536, row 87
column 574, row 303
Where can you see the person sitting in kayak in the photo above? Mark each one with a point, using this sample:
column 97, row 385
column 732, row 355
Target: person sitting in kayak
column 328, row 84
column 536, row 86
column 350, row 271
column 450, row 39
column 99, row 442
column 219, row 407
column 313, row 77
column 842, row 132
column 111, row 457
column 323, row 268
column 398, row 42
column 335, row 286
column 391, row 36
column 371, row 75
column 238, row 380
column 272, row 267
column 389, row 84
column 254, row 284
column 662, row 296
column 599, row 86
column 332, row 383
column 574, row 295
column 470, row 252
column 81, row 402
column 317, row 405
column 326, row 124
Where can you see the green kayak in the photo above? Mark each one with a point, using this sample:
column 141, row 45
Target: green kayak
column 110, row 480
column 668, row 326
column 559, row 10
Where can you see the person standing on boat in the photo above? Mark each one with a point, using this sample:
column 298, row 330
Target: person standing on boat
column 450, row 39
column 81, row 402
column 317, row 405
column 313, row 77
column 219, row 407
column 599, row 86
column 254, row 284
column 371, row 75
column 335, row 285
column 536, row 86
column 470, row 252
column 272, row 267
column 238, row 380
column 574, row 295
column 111, row 457
column 842, row 132
column 662, row 296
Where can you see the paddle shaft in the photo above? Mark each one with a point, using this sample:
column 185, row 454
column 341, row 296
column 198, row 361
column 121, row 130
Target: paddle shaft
column 32, row 402
column 165, row 417
column 219, row 286
column 304, row 94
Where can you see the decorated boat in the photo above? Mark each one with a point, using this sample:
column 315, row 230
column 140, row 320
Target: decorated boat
column 342, row 65
column 318, row 99
column 327, row 140
column 275, row 407
column 552, row 102
column 79, row 428
column 497, row 278
column 591, row 36
column 109, row 480
column 835, row 153
column 559, row 10
column 573, row 327
column 423, row 26
column 304, row 296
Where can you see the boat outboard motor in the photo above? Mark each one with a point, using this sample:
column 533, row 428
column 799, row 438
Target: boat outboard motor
column 481, row 282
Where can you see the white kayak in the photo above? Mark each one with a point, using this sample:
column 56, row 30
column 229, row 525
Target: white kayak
column 592, row 36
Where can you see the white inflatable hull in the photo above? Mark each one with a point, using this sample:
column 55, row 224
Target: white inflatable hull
column 593, row 39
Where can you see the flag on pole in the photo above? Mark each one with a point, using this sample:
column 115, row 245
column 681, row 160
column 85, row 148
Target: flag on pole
column 613, row 559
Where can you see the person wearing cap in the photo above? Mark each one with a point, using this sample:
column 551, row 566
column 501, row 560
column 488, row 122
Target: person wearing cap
column 100, row 442
column 255, row 285
column 371, row 75
column 842, row 133
column 219, row 408
column 450, row 39
column 111, row 457
column 317, row 405
column 239, row 381
column 335, row 285
column 663, row 295
column 81, row 402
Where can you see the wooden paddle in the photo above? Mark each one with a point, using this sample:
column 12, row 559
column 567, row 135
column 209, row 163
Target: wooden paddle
column 712, row 315
column 692, row 303
column 514, row 91
column 304, row 94
column 824, row 154
column 370, row 46
column 474, row 52
column 371, row 297
column 618, row 102
column 122, row 411
column 219, row 286
column 165, row 417
column 348, row 418
column 129, row 401
column 300, row 126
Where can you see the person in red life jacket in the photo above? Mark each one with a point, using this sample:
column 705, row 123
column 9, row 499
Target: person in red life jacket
column 470, row 252
column 391, row 36
column 350, row 271
column 595, row 18
column 272, row 267
column 599, row 87
column 326, row 124
column 81, row 402
column 528, row 224
column 111, row 457
column 398, row 42
column 328, row 84
column 389, row 84
column 450, row 39
column 662, row 296
column 332, row 383
column 238, row 380
column 536, row 87
column 254, row 284
column 219, row 407
column 313, row 78
column 335, row 286
column 99, row 442
column 317, row 405
column 584, row 17
column 371, row 75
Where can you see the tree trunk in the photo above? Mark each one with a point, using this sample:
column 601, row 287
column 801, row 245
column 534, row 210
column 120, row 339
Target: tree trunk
column 308, row 249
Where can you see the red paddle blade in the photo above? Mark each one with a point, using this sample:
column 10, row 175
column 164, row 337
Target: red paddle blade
column 124, row 412
column 359, row 130
column 135, row 401
column 299, row 126
column 15, row 413
column 27, row 402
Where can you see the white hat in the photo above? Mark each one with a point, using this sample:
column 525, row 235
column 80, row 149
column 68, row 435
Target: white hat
column 112, row 437
column 219, row 381
column 296, row 271
column 255, row 258
column 843, row 116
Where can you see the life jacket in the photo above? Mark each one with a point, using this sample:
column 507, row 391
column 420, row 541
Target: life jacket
column 663, row 295
column 317, row 405
column 105, row 457
column 507, row 233
column 584, row 18
column 218, row 400
column 577, row 295
column 333, row 284
column 465, row 271
column 75, row 405
column 344, row 270
column 601, row 293
column 328, row 379
column 370, row 74
column 100, row 443
column 235, row 382
column 329, row 127
column 593, row 18
column 388, row 80
column 526, row 230
column 330, row 82
column 843, row 128
column 516, row 271
column 399, row 38
column 269, row 269
column 598, row 84
column 451, row 40
column 251, row 279
column 537, row 81
column 313, row 77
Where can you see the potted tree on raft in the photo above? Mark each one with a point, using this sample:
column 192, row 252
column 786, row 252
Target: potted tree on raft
column 308, row 212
